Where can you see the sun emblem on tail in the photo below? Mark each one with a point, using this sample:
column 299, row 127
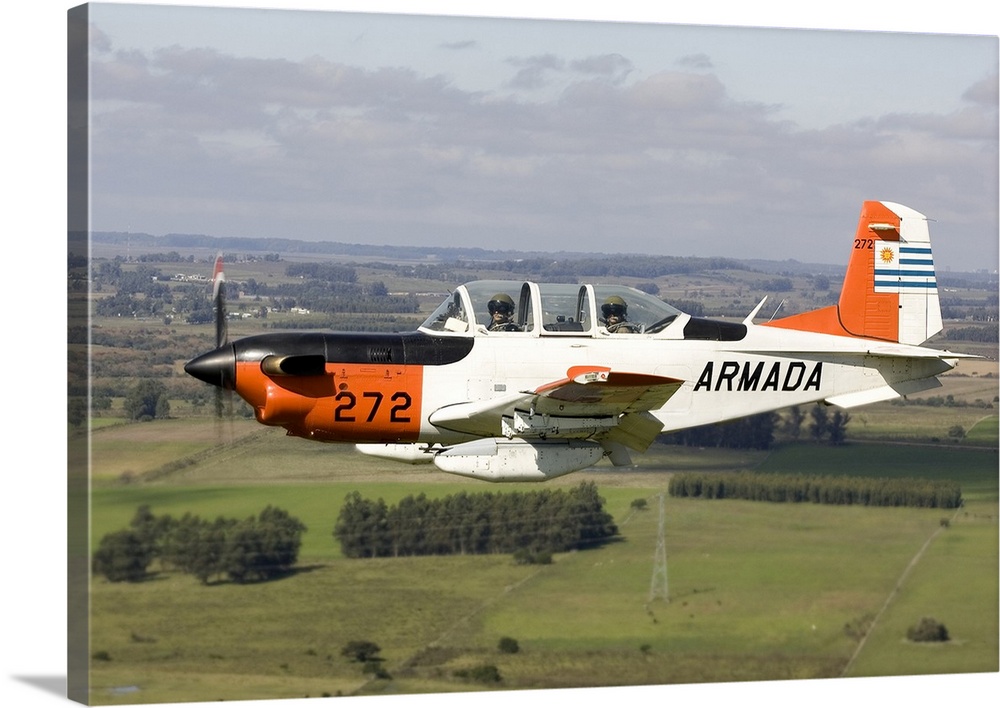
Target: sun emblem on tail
column 886, row 255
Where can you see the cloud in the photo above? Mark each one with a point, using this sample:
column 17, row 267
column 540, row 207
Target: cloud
column 200, row 141
column 548, row 69
column 614, row 67
column 98, row 41
column 983, row 93
column 533, row 71
column 460, row 46
column 696, row 62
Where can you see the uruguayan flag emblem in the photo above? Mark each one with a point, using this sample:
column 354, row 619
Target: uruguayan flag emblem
column 901, row 268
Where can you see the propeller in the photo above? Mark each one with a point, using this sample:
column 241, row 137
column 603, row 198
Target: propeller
column 218, row 367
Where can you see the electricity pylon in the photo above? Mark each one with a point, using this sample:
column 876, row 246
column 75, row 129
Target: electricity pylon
column 658, row 586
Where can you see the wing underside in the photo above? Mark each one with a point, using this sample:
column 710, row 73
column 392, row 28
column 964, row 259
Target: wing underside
column 555, row 428
column 589, row 403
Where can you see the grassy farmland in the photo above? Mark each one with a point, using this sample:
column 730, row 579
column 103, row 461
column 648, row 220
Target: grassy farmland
column 756, row 591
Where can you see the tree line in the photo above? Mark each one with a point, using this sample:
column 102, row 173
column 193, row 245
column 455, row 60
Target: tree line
column 866, row 491
column 758, row 432
column 636, row 266
column 755, row 432
column 256, row 548
column 145, row 291
column 987, row 333
column 545, row 521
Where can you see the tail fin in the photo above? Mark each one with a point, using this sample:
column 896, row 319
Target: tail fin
column 890, row 290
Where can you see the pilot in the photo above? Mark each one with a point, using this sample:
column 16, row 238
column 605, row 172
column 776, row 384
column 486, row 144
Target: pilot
column 615, row 311
column 501, row 308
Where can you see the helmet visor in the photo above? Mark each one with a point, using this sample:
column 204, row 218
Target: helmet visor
column 613, row 310
column 504, row 308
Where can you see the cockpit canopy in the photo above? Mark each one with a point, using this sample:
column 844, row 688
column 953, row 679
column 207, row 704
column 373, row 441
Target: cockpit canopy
column 549, row 309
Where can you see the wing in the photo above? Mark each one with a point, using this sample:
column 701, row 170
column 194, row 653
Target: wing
column 599, row 391
column 591, row 402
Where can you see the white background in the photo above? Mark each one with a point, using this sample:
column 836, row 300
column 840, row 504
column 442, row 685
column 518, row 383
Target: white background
column 33, row 404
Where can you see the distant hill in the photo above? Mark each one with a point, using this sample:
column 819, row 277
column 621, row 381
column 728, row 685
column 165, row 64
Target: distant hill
column 332, row 248
column 533, row 259
column 147, row 242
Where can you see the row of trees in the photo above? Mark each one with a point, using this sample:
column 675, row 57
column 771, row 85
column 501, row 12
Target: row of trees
column 988, row 333
column 758, row 432
column 145, row 401
column 621, row 265
column 755, row 432
column 948, row 401
column 538, row 521
column 866, row 491
column 256, row 548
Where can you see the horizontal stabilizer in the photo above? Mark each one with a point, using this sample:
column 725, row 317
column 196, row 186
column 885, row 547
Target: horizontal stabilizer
column 885, row 393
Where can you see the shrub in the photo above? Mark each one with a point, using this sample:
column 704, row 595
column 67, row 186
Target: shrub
column 927, row 630
column 508, row 645
column 361, row 651
column 376, row 669
column 526, row 557
column 484, row 673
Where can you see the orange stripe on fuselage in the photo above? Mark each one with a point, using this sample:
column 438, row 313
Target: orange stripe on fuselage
column 350, row 403
column 860, row 312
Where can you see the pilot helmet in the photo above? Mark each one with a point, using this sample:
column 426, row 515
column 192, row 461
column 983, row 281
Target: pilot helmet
column 616, row 306
column 502, row 303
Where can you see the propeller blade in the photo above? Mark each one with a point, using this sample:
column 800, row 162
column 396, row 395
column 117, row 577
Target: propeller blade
column 219, row 303
column 223, row 394
column 220, row 406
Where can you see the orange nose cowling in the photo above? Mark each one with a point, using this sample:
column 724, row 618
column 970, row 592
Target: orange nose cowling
column 277, row 404
column 217, row 367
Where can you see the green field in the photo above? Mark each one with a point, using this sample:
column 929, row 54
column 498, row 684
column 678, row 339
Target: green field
column 756, row 591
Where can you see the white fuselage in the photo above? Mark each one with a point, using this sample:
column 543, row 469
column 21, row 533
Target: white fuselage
column 768, row 369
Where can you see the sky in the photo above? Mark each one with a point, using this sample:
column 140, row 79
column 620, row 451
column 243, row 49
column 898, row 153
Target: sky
column 535, row 134
column 815, row 154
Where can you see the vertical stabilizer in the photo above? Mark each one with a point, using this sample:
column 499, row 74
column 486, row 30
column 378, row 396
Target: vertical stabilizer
column 915, row 279
column 890, row 289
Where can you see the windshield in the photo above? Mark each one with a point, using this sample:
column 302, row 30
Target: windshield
column 509, row 306
column 450, row 316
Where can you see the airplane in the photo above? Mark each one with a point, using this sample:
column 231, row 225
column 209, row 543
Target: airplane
column 562, row 384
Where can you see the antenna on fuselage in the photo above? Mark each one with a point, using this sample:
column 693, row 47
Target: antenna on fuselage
column 776, row 309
